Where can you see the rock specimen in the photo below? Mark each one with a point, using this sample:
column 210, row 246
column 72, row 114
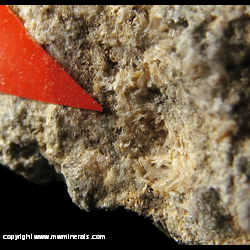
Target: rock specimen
column 172, row 142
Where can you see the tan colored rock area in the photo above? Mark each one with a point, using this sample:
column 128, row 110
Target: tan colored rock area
column 173, row 140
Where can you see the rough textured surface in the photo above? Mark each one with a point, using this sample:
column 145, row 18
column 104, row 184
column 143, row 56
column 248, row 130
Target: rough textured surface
column 173, row 140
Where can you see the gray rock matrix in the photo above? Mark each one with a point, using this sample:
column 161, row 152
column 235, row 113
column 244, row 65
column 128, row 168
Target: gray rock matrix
column 173, row 140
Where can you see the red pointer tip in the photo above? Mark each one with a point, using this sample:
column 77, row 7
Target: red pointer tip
column 28, row 71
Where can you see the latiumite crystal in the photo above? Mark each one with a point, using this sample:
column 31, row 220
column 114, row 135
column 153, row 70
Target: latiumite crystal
column 173, row 140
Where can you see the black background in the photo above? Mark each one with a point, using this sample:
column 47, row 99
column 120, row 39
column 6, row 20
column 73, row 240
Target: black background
column 29, row 208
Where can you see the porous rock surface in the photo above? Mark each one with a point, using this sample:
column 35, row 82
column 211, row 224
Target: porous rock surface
column 173, row 140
